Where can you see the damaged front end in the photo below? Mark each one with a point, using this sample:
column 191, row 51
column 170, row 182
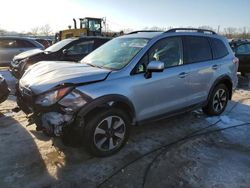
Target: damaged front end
column 54, row 110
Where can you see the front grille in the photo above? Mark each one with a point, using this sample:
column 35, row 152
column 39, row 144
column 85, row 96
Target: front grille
column 25, row 98
column 15, row 63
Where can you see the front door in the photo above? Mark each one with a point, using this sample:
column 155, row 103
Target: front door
column 165, row 91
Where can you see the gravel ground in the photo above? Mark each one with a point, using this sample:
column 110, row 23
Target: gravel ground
column 183, row 151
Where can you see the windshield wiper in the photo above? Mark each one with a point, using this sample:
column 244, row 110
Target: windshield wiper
column 93, row 65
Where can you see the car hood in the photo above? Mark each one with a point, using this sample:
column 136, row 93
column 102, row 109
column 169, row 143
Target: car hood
column 47, row 74
column 28, row 53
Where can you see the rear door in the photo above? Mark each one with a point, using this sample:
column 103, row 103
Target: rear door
column 198, row 56
column 243, row 53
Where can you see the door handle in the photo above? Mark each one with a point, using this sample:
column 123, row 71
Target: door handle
column 183, row 75
column 215, row 67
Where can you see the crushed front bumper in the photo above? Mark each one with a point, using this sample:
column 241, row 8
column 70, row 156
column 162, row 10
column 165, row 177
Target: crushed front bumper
column 16, row 68
column 50, row 119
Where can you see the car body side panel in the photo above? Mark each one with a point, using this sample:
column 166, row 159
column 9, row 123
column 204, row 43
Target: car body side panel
column 199, row 78
column 163, row 93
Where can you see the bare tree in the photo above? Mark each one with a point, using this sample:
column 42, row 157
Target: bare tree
column 127, row 30
column 155, row 28
column 35, row 31
column 46, row 30
column 206, row 27
column 230, row 32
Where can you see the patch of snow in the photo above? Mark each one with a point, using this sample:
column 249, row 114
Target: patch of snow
column 224, row 121
column 230, row 121
column 213, row 119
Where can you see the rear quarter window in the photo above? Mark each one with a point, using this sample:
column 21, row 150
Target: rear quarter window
column 198, row 49
column 219, row 48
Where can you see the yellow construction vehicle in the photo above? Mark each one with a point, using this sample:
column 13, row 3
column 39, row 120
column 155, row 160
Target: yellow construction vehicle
column 88, row 27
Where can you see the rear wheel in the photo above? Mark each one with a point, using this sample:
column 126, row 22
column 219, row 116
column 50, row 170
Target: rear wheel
column 217, row 101
column 107, row 132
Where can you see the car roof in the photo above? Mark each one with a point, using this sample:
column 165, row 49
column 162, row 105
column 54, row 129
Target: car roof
column 143, row 34
column 94, row 37
column 172, row 32
column 16, row 37
column 239, row 41
column 37, row 44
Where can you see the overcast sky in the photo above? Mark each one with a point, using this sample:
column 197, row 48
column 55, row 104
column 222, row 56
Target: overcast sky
column 22, row 15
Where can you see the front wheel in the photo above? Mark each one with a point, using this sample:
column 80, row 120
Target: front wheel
column 107, row 132
column 217, row 101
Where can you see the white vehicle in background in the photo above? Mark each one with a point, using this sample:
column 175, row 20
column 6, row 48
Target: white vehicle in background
column 11, row 46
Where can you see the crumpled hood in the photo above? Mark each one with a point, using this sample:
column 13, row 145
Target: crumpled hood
column 28, row 53
column 47, row 74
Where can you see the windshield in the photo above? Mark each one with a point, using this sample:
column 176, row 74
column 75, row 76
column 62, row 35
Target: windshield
column 115, row 54
column 59, row 45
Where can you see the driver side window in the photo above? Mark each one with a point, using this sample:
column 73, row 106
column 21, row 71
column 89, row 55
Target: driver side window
column 81, row 48
column 243, row 49
column 168, row 50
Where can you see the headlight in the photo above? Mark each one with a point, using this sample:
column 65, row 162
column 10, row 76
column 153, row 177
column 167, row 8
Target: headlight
column 52, row 97
column 19, row 62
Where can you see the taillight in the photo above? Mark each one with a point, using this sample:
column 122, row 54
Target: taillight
column 236, row 60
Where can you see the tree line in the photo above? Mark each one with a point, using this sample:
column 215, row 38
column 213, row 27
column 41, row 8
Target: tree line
column 229, row 32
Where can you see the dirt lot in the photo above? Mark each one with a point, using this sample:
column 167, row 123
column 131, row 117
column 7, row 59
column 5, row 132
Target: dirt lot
column 190, row 150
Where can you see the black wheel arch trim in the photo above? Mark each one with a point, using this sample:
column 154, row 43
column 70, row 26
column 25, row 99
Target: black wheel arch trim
column 221, row 79
column 106, row 102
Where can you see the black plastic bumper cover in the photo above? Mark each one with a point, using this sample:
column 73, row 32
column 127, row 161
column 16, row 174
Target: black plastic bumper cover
column 4, row 91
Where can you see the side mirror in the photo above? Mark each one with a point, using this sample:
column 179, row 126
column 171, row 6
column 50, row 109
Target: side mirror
column 65, row 51
column 154, row 66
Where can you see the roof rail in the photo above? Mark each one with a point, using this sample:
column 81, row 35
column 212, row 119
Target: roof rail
column 191, row 30
column 133, row 32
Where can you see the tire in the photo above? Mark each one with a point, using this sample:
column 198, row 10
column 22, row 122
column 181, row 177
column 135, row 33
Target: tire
column 217, row 101
column 106, row 132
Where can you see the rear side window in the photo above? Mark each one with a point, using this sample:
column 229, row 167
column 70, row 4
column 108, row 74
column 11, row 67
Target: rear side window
column 198, row 49
column 219, row 49
column 243, row 49
column 81, row 48
column 8, row 43
column 24, row 44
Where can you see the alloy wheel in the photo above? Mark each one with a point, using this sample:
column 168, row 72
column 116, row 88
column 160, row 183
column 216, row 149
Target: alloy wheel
column 109, row 133
column 219, row 100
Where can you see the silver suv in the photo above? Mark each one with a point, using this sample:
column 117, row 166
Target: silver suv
column 11, row 46
column 132, row 79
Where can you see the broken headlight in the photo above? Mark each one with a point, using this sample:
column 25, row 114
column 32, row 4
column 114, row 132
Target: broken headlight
column 71, row 99
column 53, row 96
